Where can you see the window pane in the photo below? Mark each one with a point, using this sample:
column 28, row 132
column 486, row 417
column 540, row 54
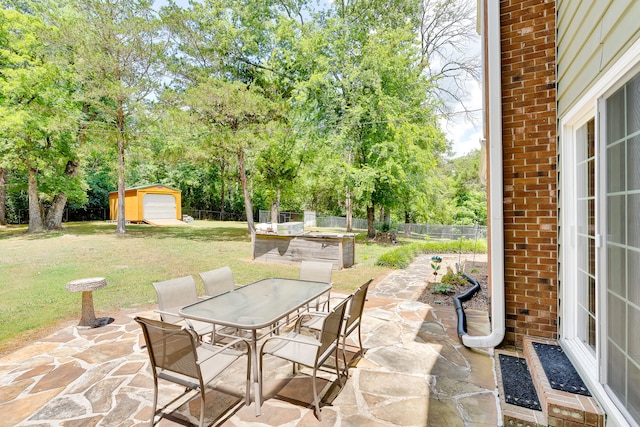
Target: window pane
column 617, row 320
column 591, row 177
column 583, row 253
column 632, row 338
column 616, row 372
column 582, row 143
column 633, row 275
column 634, row 391
column 633, row 164
column 633, row 105
column 616, row 219
column 583, row 225
column 582, row 181
column 615, row 117
column 616, row 270
column 615, row 168
column 633, row 234
column 592, row 217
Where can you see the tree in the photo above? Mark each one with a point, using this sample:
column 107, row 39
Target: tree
column 118, row 48
column 369, row 93
column 470, row 195
column 3, row 196
column 233, row 113
column 37, row 112
column 447, row 28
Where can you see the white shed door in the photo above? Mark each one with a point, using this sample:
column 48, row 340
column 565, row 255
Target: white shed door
column 159, row 206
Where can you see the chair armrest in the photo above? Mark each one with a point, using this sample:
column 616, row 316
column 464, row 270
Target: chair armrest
column 168, row 313
column 314, row 342
column 217, row 349
column 308, row 314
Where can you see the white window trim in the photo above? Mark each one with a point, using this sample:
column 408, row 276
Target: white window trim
column 586, row 107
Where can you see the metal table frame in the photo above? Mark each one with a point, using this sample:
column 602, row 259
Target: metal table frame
column 259, row 305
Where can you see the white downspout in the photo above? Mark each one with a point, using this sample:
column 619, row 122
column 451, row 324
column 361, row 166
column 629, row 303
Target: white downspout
column 496, row 240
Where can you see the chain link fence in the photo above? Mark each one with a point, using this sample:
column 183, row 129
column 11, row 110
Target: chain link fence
column 417, row 231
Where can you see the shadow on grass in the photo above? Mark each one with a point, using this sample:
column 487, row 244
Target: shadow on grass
column 133, row 231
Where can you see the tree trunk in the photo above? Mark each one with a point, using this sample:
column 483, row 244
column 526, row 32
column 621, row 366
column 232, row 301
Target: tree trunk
column 349, row 208
column 371, row 221
column 36, row 224
column 222, row 190
column 248, row 208
column 275, row 208
column 407, row 223
column 3, row 196
column 53, row 219
column 121, row 225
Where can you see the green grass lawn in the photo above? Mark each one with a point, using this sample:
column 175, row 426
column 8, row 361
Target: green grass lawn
column 34, row 269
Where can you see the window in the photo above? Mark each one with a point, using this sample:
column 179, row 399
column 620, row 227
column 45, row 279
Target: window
column 621, row 166
column 586, row 234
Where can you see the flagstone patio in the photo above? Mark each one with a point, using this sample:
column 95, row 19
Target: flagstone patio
column 414, row 372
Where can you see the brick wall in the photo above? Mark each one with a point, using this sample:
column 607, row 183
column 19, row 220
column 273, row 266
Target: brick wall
column 529, row 156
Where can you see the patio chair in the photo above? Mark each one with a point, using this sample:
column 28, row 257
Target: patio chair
column 317, row 271
column 352, row 319
column 174, row 294
column 177, row 356
column 218, row 281
column 307, row 350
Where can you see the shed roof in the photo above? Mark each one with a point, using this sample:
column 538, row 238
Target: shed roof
column 140, row 187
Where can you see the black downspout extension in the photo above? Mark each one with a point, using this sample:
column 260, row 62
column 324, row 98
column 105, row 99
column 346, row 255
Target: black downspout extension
column 459, row 299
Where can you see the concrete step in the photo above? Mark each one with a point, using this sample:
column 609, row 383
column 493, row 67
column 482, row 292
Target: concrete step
column 513, row 415
column 560, row 407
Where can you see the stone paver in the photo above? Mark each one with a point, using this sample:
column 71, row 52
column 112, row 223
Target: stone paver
column 415, row 372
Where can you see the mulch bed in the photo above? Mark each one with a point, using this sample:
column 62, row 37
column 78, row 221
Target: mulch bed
column 477, row 270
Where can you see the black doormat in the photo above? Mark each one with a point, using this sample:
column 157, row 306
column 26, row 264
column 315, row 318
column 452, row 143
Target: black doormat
column 560, row 372
column 517, row 384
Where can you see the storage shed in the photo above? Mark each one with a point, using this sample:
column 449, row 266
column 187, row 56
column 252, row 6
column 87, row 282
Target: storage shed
column 153, row 204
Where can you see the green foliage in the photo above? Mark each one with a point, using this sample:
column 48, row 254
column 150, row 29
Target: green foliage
column 443, row 288
column 453, row 278
column 290, row 104
column 449, row 282
column 470, row 195
column 402, row 256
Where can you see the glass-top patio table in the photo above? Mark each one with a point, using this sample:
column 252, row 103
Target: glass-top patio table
column 259, row 305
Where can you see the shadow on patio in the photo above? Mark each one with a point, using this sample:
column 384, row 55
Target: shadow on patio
column 414, row 372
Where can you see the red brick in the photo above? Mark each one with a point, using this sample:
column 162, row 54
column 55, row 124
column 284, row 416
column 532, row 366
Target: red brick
column 529, row 165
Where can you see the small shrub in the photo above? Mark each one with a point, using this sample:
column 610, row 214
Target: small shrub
column 454, row 279
column 449, row 282
column 442, row 288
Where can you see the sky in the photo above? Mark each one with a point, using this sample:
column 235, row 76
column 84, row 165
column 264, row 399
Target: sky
column 465, row 135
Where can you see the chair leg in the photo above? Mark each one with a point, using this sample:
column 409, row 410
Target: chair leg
column 338, row 363
column 155, row 400
column 202, row 406
column 315, row 396
column 360, row 340
column 344, row 356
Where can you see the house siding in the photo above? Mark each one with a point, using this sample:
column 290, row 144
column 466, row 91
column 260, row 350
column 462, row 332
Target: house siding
column 529, row 169
column 592, row 35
